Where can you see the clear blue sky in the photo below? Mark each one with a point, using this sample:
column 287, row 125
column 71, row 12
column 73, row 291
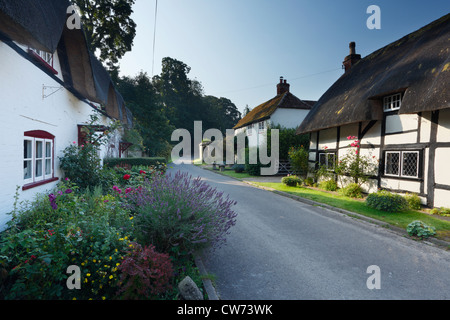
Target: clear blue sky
column 238, row 49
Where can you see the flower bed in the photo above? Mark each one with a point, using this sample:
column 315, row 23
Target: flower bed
column 108, row 235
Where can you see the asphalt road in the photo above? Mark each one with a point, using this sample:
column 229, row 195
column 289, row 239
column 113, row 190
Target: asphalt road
column 282, row 249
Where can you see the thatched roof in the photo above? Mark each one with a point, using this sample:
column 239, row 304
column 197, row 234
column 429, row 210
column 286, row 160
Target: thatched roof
column 417, row 65
column 41, row 24
column 266, row 109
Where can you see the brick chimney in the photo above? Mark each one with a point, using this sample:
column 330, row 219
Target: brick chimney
column 283, row 86
column 352, row 58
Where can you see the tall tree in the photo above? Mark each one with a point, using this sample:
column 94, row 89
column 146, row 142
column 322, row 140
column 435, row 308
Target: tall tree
column 109, row 28
column 145, row 104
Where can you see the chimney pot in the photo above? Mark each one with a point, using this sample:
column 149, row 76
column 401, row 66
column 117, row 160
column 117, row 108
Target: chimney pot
column 352, row 58
column 283, row 86
column 352, row 47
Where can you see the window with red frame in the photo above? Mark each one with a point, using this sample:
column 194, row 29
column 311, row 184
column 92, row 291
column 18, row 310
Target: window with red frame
column 38, row 158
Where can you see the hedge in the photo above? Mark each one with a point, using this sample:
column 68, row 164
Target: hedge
column 130, row 162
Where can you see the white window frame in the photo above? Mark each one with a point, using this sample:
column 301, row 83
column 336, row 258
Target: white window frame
column 35, row 178
column 261, row 126
column 250, row 129
column 46, row 56
column 29, row 159
column 401, row 164
column 392, row 102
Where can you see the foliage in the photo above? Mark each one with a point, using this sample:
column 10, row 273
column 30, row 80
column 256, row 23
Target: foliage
column 253, row 169
column 109, row 27
column 413, row 201
column 386, row 201
column 291, row 180
column 287, row 139
column 144, row 273
column 178, row 213
column 420, row 229
column 352, row 190
column 68, row 227
column 238, row 168
column 354, row 165
column 445, row 212
column 81, row 163
column 309, row 181
column 328, row 185
column 298, row 158
column 158, row 163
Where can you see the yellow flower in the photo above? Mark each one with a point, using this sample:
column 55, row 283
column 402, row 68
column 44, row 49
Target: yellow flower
column 88, row 275
column 110, row 277
column 131, row 218
column 103, row 298
column 94, row 260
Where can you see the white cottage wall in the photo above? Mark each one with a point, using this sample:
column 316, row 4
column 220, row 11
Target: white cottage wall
column 24, row 109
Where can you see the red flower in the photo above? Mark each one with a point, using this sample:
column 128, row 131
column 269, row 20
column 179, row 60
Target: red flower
column 126, row 177
column 142, row 172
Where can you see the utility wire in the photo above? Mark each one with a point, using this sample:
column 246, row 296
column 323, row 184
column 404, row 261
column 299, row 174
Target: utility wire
column 292, row 79
column 154, row 39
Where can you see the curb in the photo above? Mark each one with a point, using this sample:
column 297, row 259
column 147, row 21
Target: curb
column 207, row 284
column 445, row 245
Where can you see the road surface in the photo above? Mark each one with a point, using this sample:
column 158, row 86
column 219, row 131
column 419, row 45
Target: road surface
column 282, row 249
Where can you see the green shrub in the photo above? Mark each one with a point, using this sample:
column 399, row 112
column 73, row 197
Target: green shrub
column 298, row 158
column 352, row 190
column 67, row 227
column 128, row 163
column 328, row 185
column 420, row 229
column 238, row 168
column 445, row 212
column 413, row 201
column 81, row 164
column 386, row 201
column 309, row 181
column 291, row 181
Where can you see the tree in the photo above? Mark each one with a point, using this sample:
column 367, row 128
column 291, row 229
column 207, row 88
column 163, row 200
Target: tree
column 144, row 102
column 108, row 27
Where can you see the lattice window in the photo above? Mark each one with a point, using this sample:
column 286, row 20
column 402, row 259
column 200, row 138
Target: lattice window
column 402, row 164
column 327, row 160
column 410, row 164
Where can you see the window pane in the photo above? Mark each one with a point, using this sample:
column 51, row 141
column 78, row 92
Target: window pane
column 48, row 149
column 27, row 169
column 410, row 164
column 392, row 163
column 331, row 161
column 39, row 149
column 322, row 159
column 39, row 168
column 27, row 152
column 48, row 166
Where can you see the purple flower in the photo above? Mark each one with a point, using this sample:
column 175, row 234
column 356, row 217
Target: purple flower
column 68, row 191
column 52, row 199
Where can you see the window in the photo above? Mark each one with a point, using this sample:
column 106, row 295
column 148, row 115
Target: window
column 38, row 158
column 46, row 56
column 261, row 126
column 402, row 164
column 392, row 103
column 250, row 129
column 327, row 160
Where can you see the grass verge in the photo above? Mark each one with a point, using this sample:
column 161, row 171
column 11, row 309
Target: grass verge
column 400, row 220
